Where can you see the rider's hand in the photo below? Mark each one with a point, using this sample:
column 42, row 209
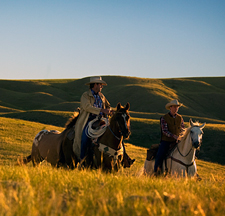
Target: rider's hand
column 176, row 138
column 106, row 111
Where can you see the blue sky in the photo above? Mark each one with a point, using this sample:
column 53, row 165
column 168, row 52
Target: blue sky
column 142, row 38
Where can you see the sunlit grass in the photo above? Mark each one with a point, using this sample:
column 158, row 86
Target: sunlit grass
column 45, row 190
column 49, row 191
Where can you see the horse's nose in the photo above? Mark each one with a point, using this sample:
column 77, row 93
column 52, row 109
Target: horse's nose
column 126, row 134
column 196, row 144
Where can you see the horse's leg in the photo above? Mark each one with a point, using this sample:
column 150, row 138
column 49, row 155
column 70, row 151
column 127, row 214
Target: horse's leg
column 36, row 156
column 61, row 161
column 149, row 167
column 26, row 160
column 98, row 158
column 68, row 154
column 178, row 170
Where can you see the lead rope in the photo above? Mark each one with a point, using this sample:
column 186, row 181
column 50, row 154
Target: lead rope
column 95, row 133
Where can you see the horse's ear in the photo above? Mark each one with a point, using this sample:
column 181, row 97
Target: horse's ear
column 118, row 106
column 202, row 126
column 127, row 106
column 191, row 122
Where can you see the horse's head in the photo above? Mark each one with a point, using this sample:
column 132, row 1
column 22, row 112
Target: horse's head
column 122, row 117
column 196, row 133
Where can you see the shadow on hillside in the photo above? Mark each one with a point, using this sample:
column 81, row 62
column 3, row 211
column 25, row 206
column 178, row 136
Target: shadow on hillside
column 212, row 148
column 144, row 133
column 50, row 118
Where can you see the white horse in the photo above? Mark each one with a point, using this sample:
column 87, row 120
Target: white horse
column 181, row 161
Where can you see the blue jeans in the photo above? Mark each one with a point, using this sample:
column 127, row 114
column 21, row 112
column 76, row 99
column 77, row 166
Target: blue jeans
column 85, row 142
column 161, row 154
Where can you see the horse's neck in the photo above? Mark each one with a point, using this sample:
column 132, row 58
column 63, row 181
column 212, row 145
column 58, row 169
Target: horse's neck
column 185, row 148
column 115, row 128
column 112, row 136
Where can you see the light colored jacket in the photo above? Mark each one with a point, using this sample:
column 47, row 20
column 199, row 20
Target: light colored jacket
column 86, row 107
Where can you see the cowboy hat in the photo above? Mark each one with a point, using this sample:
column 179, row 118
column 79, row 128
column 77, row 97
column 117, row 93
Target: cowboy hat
column 96, row 79
column 173, row 103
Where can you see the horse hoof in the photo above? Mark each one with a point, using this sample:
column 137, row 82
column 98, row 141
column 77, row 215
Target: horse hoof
column 131, row 162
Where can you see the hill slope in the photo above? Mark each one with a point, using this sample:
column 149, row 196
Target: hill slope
column 202, row 97
column 53, row 102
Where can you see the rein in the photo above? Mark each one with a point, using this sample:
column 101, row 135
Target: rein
column 113, row 133
column 182, row 154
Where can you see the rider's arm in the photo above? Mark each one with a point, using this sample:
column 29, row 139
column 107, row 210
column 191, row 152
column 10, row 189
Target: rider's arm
column 85, row 104
column 165, row 130
column 107, row 104
column 182, row 124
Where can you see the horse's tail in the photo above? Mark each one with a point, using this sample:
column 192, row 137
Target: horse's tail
column 23, row 161
column 27, row 159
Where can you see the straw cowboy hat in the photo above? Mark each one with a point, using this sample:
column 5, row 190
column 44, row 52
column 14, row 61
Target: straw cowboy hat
column 96, row 79
column 173, row 103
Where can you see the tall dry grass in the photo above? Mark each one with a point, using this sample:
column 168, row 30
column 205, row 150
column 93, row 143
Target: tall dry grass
column 49, row 191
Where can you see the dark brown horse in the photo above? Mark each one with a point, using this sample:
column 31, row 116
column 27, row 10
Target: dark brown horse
column 108, row 151
column 56, row 148
column 50, row 145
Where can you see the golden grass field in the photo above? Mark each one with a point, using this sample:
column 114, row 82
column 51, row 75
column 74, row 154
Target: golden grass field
column 45, row 190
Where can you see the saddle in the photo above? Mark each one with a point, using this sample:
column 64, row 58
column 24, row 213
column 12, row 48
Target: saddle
column 152, row 151
column 97, row 124
column 70, row 136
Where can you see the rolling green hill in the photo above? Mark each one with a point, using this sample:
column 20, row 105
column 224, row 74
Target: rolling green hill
column 202, row 97
column 53, row 102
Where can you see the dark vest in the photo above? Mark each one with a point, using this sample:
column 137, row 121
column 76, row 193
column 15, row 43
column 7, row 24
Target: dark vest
column 174, row 126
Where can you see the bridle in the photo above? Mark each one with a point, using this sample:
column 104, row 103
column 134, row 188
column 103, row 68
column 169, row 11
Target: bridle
column 121, row 132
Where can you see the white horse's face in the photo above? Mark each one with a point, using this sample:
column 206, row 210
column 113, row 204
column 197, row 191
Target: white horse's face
column 196, row 133
column 196, row 136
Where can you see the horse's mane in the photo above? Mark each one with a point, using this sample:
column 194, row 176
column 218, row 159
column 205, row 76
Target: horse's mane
column 72, row 121
column 186, row 131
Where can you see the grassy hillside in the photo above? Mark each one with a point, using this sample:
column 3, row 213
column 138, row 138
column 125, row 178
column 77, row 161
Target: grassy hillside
column 202, row 97
column 44, row 190
column 53, row 102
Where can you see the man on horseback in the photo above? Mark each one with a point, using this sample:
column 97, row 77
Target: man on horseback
column 93, row 103
column 171, row 126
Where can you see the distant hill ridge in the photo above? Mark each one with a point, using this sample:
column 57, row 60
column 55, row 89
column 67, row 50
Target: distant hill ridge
column 202, row 97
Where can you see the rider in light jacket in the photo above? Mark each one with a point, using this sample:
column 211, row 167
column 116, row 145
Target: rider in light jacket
column 92, row 104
